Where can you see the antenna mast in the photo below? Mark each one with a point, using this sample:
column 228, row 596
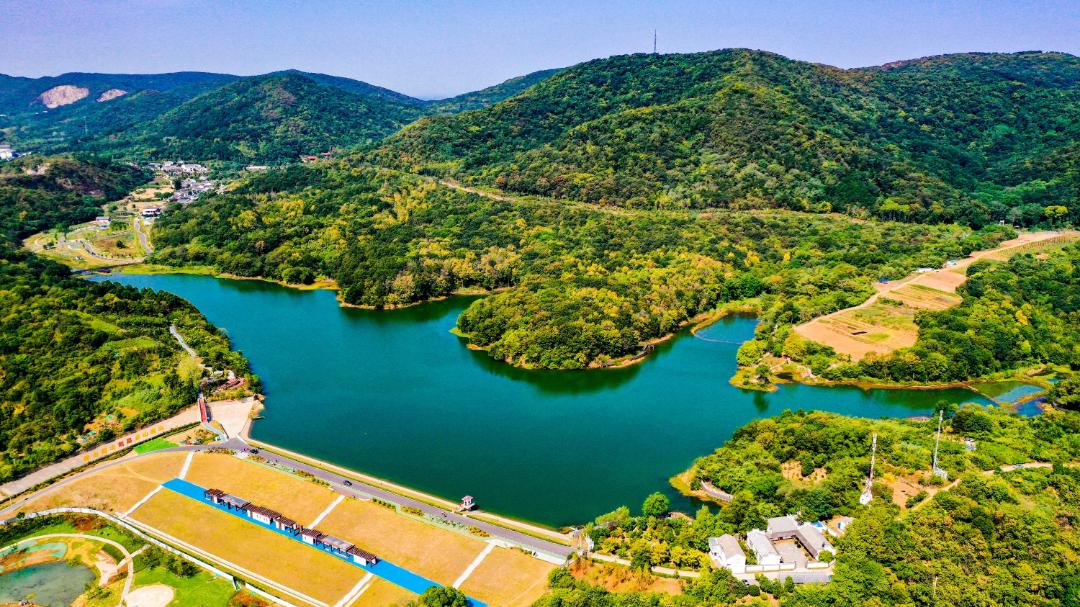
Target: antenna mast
column 938, row 471
column 654, row 41
column 867, row 495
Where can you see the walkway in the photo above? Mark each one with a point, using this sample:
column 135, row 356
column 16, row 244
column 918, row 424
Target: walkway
column 183, row 343
column 126, row 560
column 62, row 467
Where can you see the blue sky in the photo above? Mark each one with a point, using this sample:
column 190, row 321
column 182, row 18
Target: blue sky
column 441, row 48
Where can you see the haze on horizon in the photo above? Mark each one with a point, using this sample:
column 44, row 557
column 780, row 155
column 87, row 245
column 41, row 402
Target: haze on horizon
column 439, row 49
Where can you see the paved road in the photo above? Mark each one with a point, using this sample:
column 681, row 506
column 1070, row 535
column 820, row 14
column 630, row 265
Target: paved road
column 362, row 489
column 189, row 415
column 143, row 240
column 358, row 489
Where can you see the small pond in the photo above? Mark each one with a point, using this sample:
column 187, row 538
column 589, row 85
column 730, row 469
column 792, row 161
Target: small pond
column 55, row 584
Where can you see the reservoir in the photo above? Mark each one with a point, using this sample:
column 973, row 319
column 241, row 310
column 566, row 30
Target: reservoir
column 396, row 395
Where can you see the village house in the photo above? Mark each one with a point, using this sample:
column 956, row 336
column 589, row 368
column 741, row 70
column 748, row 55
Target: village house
column 151, row 212
column 764, row 551
column 812, row 540
column 103, row 222
column 726, row 552
column 781, row 527
column 6, row 153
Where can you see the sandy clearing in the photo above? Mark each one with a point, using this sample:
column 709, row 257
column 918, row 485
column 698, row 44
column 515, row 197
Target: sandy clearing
column 154, row 595
column 844, row 333
column 382, row 593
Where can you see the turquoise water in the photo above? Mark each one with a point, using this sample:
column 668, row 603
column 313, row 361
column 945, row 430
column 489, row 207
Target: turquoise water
column 55, row 584
column 394, row 394
column 1008, row 391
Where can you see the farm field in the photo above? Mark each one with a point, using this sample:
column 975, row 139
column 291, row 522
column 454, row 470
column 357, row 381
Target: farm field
column 437, row 554
column 243, row 544
column 114, row 489
column 508, row 578
column 296, row 498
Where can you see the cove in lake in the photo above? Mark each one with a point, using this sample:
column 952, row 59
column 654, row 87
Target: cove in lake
column 55, row 584
column 396, row 395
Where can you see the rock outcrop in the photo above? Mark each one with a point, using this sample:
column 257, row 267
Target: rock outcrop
column 62, row 95
column 111, row 94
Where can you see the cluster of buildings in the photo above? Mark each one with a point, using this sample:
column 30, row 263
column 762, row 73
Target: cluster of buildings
column 727, row 552
column 178, row 168
column 281, row 522
column 7, row 152
column 191, row 189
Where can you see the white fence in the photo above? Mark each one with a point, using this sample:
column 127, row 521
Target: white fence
column 764, row 568
column 133, row 529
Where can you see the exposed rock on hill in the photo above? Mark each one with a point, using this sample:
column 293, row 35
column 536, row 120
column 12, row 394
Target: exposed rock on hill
column 65, row 94
column 111, row 94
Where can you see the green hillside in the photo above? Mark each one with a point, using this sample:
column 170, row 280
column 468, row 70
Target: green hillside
column 578, row 286
column 488, row 96
column 940, row 139
column 1013, row 530
column 73, row 352
column 260, row 119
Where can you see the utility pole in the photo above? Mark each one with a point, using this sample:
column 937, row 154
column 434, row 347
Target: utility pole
column 938, row 471
column 867, row 494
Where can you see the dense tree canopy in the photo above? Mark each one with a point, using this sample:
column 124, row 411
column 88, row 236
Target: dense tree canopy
column 576, row 285
column 973, row 138
column 73, row 351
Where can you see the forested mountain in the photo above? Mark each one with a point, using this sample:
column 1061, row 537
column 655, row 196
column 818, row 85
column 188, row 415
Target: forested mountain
column 72, row 351
column 488, row 96
column 973, row 138
column 265, row 118
column 39, row 193
column 129, row 115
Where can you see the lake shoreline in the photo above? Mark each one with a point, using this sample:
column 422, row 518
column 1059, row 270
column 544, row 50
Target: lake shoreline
column 695, row 324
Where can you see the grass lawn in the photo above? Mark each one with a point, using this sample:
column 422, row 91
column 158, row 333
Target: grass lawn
column 294, row 497
column 245, row 544
column 437, row 554
column 199, row 590
column 113, row 489
column 508, row 578
column 382, row 593
column 154, row 445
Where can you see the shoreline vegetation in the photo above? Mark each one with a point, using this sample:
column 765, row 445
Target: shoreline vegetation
column 750, row 307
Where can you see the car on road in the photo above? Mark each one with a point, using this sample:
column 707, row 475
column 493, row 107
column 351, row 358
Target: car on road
column 347, row 483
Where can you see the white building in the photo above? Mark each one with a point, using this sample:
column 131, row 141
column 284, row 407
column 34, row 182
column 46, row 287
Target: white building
column 726, row 552
column 764, row 551
column 812, row 540
column 781, row 527
column 6, row 153
column 102, row 222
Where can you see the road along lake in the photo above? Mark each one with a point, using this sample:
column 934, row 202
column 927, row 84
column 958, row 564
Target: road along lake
column 396, row 395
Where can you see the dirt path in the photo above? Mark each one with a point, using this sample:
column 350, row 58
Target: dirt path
column 947, row 280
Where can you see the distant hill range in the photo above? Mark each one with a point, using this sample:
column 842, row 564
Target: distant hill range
column 968, row 137
column 208, row 116
column 975, row 137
